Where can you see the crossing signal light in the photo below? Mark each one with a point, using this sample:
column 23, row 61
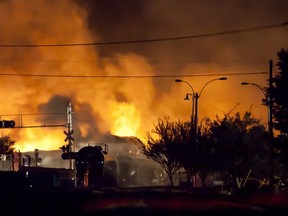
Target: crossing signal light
column 69, row 155
column 65, row 148
column 7, row 124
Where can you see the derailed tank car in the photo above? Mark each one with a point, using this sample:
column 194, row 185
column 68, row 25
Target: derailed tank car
column 89, row 166
column 94, row 167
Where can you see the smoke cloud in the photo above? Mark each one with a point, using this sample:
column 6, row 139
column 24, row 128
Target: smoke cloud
column 104, row 107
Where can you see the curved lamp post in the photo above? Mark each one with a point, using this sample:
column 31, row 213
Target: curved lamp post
column 195, row 104
column 194, row 119
column 262, row 90
column 187, row 98
column 270, row 130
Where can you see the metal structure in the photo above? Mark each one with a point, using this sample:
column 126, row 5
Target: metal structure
column 195, row 97
column 16, row 121
column 270, row 121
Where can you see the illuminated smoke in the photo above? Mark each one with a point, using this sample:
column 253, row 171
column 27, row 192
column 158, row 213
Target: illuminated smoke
column 127, row 106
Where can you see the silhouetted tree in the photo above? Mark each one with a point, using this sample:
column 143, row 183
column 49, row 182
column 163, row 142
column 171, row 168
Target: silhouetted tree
column 186, row 153
column 205, row 154
column 164, row 148
column 6, row 145
column 281, row 161
column 233, row 143
column 279, row 92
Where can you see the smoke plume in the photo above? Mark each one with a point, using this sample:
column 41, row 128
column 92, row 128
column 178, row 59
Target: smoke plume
column 100, row 81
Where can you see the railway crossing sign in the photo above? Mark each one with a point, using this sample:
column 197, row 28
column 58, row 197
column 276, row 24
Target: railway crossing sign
column 69, row 135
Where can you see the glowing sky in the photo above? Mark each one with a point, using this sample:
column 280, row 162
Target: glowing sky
column 130, row 106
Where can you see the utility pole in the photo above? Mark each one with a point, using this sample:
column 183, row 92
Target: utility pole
column 270, row 128
column 69, row 150
column 69, row 133
column 196, row 120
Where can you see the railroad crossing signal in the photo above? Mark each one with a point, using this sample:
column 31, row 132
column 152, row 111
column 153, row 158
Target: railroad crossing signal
column 7, row 124
column 65, row 148
column 69, row 135
column 69, row 155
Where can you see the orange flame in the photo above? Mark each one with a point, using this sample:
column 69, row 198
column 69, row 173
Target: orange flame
column 126, row 119
column 131, row 101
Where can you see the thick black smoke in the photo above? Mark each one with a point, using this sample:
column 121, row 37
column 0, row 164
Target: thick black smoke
column 111, row 20
column 82, row 113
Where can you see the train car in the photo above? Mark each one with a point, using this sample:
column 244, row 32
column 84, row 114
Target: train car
column 94, row 167
column 89, row 166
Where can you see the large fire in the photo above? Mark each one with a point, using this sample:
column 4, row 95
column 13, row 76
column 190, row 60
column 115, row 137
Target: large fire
column 40, row 138
column 105, row 92
column 126, row 120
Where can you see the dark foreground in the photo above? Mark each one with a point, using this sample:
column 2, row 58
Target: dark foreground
column 137, row 201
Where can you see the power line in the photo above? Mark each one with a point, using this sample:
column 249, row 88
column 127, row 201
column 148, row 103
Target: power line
column 23, row 114
column 133, row 61
column 45, row 60
column 131, row 76
column 37, row 126
column 277, row 25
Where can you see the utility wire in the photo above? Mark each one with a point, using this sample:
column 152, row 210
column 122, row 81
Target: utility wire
column 130, row 76
column 135, row 61
column 277, row 25
column 33, row 114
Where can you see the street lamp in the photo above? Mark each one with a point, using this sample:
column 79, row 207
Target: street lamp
column 262, row 90
column 254, row 84
column 194, row 119
column 270, row 129
column 195, row 104
column 187, row 98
